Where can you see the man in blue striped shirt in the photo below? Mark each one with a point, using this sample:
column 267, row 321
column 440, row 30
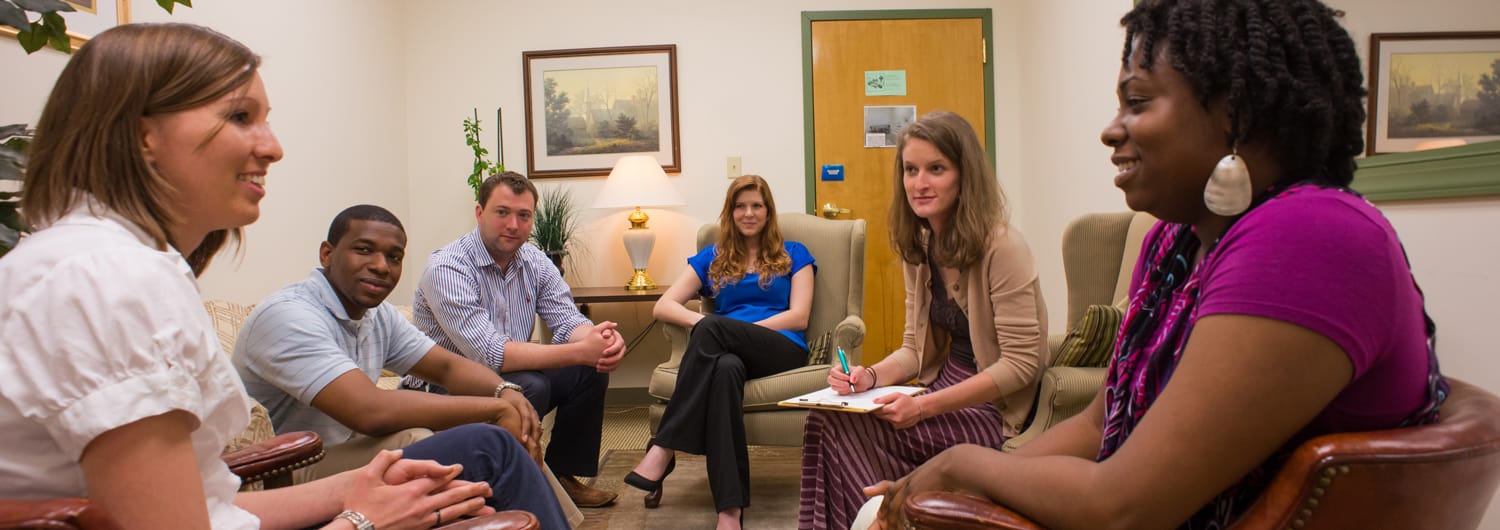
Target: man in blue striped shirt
column 480, row 296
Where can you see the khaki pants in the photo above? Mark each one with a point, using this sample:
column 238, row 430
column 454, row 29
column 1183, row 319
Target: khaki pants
column 358, row 451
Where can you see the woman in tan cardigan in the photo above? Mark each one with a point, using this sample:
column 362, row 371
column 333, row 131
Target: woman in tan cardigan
column 975, row 329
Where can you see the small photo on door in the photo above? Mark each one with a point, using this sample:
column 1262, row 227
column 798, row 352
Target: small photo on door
column 884, row 123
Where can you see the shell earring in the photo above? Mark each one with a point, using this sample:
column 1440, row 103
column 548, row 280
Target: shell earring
column 1228, row 190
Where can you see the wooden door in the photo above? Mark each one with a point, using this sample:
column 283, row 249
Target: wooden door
column 944, row 64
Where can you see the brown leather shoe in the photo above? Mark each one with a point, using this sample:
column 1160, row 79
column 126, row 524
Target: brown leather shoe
column 584, row 496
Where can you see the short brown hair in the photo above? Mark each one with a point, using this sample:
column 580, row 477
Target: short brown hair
column 980, row 206
column 90, row 136
column 517, row 183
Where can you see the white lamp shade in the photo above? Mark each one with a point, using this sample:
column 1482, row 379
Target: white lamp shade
column 637, row 180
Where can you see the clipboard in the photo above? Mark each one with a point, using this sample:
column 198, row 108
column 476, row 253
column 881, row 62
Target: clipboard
column 860, row 402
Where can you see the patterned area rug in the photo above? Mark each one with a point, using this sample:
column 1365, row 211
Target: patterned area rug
column 687, row 503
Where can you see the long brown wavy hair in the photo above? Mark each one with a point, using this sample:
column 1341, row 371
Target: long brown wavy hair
column 980, row 206
column 90, row 135
column 729, row 265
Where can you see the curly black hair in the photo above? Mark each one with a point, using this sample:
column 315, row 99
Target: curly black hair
column 1289, row 70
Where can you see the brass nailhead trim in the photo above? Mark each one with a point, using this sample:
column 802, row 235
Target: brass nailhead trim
column 1317, row 493
column 284, row 469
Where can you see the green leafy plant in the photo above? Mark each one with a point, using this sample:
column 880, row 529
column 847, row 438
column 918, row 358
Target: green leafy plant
column 13, row 142
column 556, row 226
column 482, row 166
column 48, row 29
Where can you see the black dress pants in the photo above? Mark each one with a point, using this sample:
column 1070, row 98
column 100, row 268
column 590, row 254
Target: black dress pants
column 705, row 413
column 577, row 392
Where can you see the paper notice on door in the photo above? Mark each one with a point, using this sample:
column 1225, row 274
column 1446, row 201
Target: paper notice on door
column 886, row 121
column 885, row 82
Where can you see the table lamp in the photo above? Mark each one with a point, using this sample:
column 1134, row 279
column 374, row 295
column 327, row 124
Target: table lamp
column 636, row 181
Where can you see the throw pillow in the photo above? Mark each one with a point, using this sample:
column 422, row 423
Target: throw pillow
column 1092, row 341
column 820, row 348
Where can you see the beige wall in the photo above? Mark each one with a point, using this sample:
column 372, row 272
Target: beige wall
column 739, row 73
column 369, row 95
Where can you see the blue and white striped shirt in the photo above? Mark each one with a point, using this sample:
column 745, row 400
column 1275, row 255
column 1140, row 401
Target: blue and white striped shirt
column 470, row 306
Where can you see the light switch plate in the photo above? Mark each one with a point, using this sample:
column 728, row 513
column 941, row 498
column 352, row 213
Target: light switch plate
column 734, row 169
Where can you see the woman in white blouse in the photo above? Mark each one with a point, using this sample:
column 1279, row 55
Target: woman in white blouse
column 150, row 155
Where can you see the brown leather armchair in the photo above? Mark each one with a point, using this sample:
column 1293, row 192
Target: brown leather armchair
column 1434, row 477
column 79, row 514
column 270, row 461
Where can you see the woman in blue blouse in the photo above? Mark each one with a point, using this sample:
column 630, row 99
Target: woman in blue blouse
column 762, row 290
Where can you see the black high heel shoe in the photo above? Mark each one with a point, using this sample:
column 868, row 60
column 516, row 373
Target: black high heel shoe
column 651, row 487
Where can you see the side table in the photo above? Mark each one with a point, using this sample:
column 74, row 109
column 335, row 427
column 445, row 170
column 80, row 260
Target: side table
column 583, row 296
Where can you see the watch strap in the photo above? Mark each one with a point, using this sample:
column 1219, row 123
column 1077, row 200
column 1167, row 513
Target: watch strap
column 359, row 520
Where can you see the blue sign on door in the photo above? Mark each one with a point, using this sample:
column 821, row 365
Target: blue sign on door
column 833, row 172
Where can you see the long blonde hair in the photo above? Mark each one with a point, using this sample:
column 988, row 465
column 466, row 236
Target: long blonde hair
column 980, row 206
column 729, row 265
column 90, row 134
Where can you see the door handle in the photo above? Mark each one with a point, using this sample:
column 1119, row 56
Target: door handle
column 831, row 210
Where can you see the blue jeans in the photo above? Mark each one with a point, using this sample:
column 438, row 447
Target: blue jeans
column 490, row 454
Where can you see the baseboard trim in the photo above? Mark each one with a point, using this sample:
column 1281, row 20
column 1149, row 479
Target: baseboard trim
column 628, row 397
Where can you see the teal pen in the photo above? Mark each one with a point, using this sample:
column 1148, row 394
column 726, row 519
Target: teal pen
column 844, row 361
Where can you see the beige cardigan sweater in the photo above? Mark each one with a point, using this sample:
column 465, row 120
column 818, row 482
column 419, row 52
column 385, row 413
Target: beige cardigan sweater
column 1002, row 298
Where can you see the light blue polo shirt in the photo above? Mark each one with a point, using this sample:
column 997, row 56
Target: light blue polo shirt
column 300, row 338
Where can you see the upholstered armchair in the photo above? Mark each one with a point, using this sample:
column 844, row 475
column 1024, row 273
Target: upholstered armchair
column 838, row 302
column 1433, row 477
column 1099, row 254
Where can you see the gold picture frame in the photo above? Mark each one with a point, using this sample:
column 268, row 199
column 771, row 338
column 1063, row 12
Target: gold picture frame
column 1427, row 89
column 587, row 107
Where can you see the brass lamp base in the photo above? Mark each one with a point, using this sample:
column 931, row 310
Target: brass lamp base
column 640, row 281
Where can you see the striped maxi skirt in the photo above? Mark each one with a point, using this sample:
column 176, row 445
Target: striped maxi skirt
column 843, row 452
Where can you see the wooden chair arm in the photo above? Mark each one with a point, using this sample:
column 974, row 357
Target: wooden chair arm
column 506, row 520
column 275, row 457
column 58, row 514
column 932, row 509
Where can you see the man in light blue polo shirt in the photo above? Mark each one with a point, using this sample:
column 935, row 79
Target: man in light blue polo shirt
column 312, row 352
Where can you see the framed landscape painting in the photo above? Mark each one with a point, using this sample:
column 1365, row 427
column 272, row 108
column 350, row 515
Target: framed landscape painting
column 1432, row 89
column 586, row 108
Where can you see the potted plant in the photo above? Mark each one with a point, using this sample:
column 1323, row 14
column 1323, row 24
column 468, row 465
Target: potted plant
column 482, row 167
column 555, row 227
column 13, row 141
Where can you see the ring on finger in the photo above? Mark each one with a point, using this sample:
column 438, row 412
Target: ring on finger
column 439, row 513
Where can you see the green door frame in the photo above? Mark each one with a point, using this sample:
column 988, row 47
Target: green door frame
column 808, row 17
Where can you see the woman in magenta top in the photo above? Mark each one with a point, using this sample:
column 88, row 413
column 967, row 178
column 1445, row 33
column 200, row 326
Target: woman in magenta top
column 1271, row 303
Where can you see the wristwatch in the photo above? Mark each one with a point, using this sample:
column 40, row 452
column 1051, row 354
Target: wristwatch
column 358, row 519
column 507, row 384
